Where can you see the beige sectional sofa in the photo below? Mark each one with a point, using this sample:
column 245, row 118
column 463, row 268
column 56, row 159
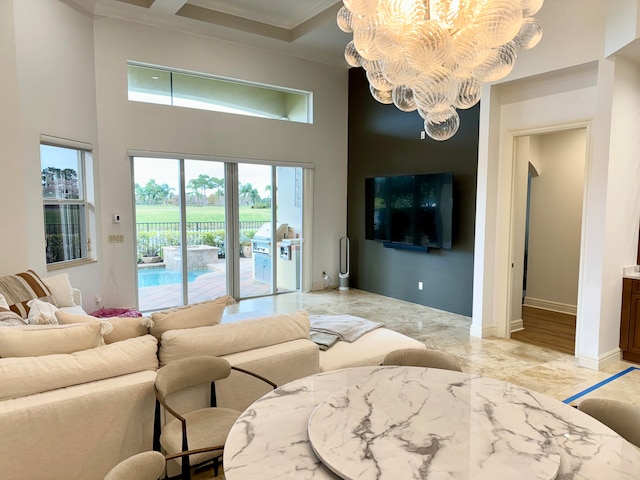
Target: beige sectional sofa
column 74, row 415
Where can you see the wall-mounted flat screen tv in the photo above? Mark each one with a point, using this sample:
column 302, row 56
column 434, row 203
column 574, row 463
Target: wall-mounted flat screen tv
column 410, row 210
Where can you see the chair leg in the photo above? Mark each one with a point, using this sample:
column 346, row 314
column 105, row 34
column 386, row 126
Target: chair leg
column 216, row 464
column 186, row 468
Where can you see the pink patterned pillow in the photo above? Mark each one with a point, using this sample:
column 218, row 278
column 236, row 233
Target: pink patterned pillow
column 115, row 312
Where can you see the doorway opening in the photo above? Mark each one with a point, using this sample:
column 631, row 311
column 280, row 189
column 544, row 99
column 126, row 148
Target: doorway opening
column 548, row 195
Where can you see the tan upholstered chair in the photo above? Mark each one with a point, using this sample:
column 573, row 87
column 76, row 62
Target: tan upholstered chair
column 143, row 466
column 195, row 437
column 622, row 417
column 418, row 357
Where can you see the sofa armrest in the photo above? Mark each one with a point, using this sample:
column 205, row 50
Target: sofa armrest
column 77, row 296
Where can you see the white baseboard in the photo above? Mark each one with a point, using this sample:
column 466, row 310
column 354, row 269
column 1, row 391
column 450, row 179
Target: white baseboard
column 602, row 361
column 483, row 332
column 517, row 325
column 549, row 305
column 317, row 286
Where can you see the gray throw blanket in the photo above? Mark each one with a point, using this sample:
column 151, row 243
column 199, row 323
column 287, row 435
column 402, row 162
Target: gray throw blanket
column 326, row 330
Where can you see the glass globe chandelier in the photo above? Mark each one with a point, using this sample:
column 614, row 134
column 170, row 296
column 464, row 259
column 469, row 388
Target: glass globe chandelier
column 434, row 56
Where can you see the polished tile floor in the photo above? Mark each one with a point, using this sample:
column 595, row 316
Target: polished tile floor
column 553, row 373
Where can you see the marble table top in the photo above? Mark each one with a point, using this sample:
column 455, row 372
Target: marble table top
column 415, row 423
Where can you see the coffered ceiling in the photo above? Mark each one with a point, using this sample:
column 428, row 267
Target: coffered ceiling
column 302, row 28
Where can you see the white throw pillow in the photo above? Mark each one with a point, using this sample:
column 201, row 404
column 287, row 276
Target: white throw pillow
column 3, row 302
column 61, row 289
column 41, row 313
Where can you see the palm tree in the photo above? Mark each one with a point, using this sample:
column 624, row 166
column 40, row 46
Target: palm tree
column 218, row 186
column 156, row 194
column 140, row 194
column 246, row 193
column 200, row 185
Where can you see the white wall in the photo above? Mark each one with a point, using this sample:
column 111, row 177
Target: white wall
column 622, row 201
column 56, row 82
column 13, row 212
column 555, row 221
column 523, row 107
column 602, row 101
column 49, row 88
column 573, row 33
column 125, row 125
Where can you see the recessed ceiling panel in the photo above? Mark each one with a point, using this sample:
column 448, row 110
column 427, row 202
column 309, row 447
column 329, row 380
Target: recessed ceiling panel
column 281, row 13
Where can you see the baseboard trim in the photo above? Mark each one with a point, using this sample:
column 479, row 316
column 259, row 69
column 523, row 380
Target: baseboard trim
column 482, row 332
column 317, row 286
column 549, row 305
column 517, row 325
column 602, row 361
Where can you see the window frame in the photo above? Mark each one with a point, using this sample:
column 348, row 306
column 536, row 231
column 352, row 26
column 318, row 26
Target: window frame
column 84, row 202
column 168, row 95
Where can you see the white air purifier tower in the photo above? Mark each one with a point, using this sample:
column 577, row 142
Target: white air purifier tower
column 344, row 264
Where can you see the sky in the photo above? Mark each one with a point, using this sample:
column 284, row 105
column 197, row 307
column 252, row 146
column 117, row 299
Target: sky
column 59, row 157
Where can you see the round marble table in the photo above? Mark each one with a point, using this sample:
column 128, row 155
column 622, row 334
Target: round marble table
column 408, row 422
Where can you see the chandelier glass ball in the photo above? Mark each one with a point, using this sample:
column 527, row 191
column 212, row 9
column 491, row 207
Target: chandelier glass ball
column 434, row 56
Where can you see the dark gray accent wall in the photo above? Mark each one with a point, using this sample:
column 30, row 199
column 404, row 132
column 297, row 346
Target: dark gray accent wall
column 384, row 141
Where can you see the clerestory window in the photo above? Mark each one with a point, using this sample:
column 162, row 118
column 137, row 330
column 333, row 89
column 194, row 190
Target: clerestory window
column 164, row 86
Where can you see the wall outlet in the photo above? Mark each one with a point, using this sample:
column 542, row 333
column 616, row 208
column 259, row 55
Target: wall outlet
column 98, row 300
column 420, row 285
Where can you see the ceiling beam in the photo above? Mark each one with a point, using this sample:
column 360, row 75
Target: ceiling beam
column 169, row 7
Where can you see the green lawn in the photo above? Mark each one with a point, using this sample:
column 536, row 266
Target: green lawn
column 171, row 213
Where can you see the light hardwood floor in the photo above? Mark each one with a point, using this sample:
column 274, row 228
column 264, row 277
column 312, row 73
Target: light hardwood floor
column 549, row 329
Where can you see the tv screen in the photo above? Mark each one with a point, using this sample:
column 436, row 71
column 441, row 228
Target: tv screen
column 413, row 210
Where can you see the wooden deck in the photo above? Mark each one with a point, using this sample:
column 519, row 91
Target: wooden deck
column 205, row 287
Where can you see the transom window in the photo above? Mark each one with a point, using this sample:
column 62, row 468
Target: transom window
column 65, row 202
column 192, row 90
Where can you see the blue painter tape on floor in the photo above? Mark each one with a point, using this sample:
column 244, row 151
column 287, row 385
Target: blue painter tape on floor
column 600, row 384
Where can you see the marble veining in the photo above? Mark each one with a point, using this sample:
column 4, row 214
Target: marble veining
column 404, row 423
column 505, row 428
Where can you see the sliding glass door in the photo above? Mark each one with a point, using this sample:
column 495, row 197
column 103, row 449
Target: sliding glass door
column 180, row 230
column 270, row 227
column 207, row 228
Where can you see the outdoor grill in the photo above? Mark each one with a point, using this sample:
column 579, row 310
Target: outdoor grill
column 262, row 250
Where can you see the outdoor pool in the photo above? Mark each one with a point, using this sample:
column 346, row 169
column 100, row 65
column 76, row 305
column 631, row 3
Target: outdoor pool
column 154, row 277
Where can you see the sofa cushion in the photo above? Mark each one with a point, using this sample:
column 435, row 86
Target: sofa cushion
column 18, row 289
column 369, row 349
column 25, row 376
column 190, row 316
column 234, row 337
column 37, row 340
column 60, row 289
column 123, row 327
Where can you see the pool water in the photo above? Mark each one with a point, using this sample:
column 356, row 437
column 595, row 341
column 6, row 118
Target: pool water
column 154, row 277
